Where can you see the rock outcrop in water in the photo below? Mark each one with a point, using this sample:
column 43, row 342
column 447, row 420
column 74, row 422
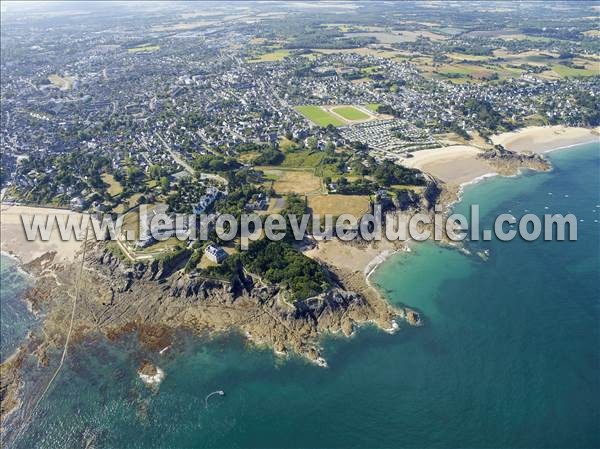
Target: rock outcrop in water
column 150, row 374
column 509, row 162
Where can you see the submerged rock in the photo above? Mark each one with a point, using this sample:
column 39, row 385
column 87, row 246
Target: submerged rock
column 150, row 374
column 413, row 318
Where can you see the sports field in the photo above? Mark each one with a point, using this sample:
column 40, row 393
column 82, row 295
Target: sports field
column 350, row 113
column 319, row 116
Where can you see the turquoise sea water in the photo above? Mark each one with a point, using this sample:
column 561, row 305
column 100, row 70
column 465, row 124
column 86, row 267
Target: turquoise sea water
column 509, row 355
column 15, row 318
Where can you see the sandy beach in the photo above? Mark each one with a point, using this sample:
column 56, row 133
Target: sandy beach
column 354, row 263
column 455, row 164
column 541, row 139
column 352, row 258
column 14, row 240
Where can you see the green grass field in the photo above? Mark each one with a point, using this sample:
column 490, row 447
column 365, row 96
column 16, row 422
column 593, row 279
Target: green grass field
column 303, row 159
column 286, row 144
column 565, row 71
column 350, row 113
column 372, row 106
column 319, row 116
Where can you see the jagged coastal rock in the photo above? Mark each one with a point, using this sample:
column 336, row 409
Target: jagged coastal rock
column 509, row 162
column 153, row 299
column 150, row 374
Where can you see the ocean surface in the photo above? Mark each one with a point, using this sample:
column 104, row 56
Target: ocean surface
column 509, row 355
column 15, row 318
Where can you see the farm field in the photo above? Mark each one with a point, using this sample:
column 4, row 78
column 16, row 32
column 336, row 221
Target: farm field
column 248, row 157
column 131, row 201
column 459, row 73
column 464, row 57
column 337, row 205
column 414, row 35
column 273, row 56
column 566, row 71
column 363, row 51
column 301, row 181
column 475, row 71
column 319, row 116
column 303, row 159
column 286, row 144
column 388, row 37
column 183, row 26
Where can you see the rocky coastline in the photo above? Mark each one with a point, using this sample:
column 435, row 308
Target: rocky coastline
column 153, row 300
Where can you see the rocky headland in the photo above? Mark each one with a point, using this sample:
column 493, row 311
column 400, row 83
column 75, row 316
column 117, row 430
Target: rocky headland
column 99, row 292
column 507, row 162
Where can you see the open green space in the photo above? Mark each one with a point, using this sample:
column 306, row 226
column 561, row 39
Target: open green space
column 350, row 113
column 319, row 116
column 273, row 56
column 303, row 159
column 566, row 71
column 114, row 187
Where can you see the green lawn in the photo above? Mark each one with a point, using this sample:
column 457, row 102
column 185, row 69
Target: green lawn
column 350, row 113
column 319, row 116
column 372, row 106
